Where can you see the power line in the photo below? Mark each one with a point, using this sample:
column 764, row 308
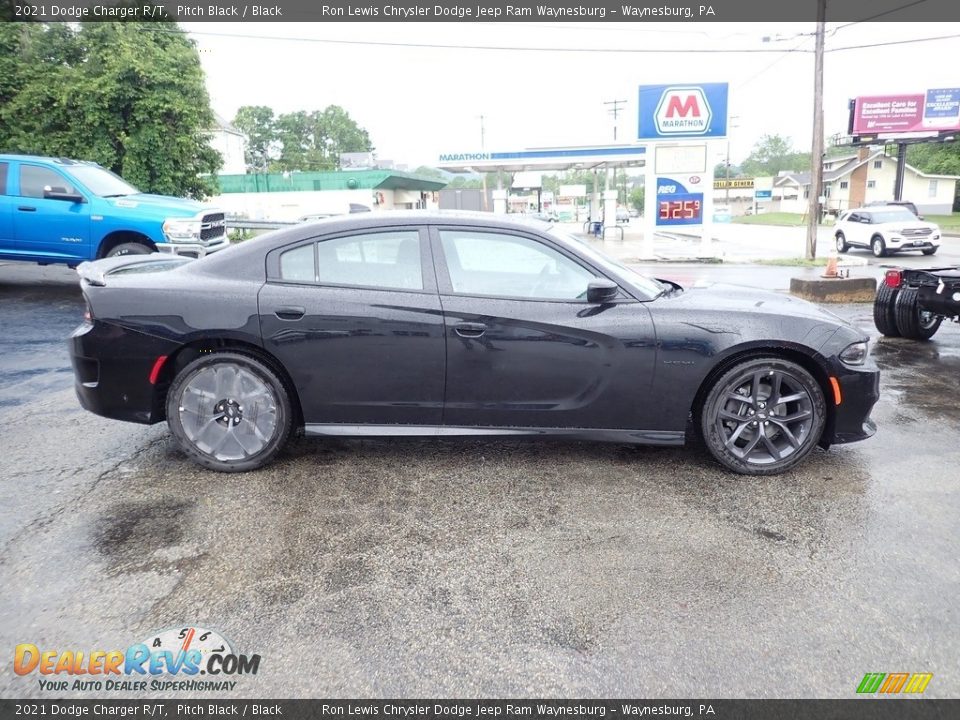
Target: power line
column 878, row 15
column 894, row 42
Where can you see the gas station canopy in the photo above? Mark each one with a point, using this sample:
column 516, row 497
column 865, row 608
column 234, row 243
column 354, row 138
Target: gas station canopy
column 562, row 158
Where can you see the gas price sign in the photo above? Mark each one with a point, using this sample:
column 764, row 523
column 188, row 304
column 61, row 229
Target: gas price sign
column 676, row 205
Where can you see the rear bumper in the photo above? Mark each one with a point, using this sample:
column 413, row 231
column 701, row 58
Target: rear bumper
column 112, row 367
column 859, row 392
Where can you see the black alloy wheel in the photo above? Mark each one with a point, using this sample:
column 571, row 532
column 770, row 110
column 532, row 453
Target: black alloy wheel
column 763, row 416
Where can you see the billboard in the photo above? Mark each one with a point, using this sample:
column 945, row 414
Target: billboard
column 935, row 110
column 695, row 110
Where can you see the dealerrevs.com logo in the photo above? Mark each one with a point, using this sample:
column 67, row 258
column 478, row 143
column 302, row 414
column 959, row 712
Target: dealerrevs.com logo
column 170, row 660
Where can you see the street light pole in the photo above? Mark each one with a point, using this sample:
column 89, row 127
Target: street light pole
column 816, row 156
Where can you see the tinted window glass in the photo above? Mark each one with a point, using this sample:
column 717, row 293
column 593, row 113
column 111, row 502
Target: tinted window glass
column 3, row 178
column 298, row 265
column 511, row 266
column 383, row 260
column 34, row 180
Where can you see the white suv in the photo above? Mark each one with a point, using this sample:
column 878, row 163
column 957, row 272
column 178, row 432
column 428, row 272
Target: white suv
column 885, row 230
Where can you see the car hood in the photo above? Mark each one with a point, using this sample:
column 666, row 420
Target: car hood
column 720, row 299
column 158, row 205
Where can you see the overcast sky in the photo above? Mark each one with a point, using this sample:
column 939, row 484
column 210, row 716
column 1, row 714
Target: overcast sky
column 417, row 102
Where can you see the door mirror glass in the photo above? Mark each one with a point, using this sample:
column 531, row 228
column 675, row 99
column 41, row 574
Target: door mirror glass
column 602, row 291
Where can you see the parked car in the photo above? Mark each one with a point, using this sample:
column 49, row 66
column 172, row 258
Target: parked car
column 437, row 325
column 885, row 230
column 623, row 215
column 54, row 210
column 896, row 203
column 912, row 302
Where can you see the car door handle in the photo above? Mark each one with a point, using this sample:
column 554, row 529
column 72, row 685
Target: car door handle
column 26, row 208
column 469, row 330
column 290, row 312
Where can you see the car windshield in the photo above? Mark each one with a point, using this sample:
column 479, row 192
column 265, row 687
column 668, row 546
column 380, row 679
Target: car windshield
column 647, row 285
column 102, row 182
column 898, row 215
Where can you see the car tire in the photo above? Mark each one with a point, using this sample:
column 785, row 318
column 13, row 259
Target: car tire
column 130, row 248
column 931, row 251
column 842, row 245
column 878, row 246
column 912, row 323
column 745, row 427
column 254, row 408
column 884, row 310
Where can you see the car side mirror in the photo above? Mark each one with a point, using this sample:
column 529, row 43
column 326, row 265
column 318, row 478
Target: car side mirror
column 61, row 194
column 602, row 291
column 919, row 217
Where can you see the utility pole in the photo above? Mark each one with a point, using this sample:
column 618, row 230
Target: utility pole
column 615, row 111
column 483, row 151
column 816, row 155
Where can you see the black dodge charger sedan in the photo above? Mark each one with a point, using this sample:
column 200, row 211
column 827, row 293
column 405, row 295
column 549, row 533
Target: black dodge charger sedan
column 434, row 325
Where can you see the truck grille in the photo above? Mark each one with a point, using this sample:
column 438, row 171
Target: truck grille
column 916, row 232
column 212, row 227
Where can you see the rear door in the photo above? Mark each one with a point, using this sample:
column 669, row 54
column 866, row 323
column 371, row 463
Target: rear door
column 356, row 320
column 49, row 229
column 525, row 348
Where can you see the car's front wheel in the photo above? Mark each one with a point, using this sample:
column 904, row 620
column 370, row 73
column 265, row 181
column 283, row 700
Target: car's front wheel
column 842, row 245
column 878, row 246
column 130, row 248
column 229, row 412
column 914, row 323
column 763, row 416
column 930, row 251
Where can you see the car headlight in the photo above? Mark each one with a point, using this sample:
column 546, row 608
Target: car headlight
column 937, row 236
column 177, row 229
column 855, row 354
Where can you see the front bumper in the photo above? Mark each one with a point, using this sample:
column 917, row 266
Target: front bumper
column 112, row 367
column 859, row 392
column 194, row 249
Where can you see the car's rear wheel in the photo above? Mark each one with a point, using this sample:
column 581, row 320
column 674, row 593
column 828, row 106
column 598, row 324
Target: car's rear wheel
column 763, row 416
column 229, row 412
column 842, row 245
column 930, row 251
column 884, row 310
column 878, row 246
column 912, row 322
column 130, row 248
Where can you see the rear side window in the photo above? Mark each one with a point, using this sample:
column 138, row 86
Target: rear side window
column 3, row 178
column 389, row 260
column 35, row 179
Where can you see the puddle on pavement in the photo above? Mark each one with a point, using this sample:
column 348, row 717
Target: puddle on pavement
column 141, row 536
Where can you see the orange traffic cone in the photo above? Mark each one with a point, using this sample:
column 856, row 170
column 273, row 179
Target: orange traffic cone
column 831, row 271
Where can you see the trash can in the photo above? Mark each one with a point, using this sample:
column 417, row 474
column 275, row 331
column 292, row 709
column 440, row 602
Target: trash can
column 596, row 228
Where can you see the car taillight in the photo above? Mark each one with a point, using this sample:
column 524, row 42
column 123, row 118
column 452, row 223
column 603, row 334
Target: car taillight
column 893, row 278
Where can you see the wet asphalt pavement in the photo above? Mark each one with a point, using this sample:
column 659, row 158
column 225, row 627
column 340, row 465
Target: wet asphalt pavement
column 482, row 568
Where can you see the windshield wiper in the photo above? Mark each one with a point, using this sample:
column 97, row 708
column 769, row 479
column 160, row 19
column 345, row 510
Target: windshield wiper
column 117, row 195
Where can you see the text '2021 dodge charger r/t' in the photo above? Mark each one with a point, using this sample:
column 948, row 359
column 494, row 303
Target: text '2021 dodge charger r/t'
column 434, row 325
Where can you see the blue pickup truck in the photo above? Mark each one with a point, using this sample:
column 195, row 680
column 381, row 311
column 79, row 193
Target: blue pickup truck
column 54, row 210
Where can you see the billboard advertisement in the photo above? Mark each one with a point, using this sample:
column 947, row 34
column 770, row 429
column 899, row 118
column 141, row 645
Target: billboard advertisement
column 935, row 110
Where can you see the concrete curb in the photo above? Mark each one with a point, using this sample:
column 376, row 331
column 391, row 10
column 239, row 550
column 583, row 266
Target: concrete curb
column 834, row 290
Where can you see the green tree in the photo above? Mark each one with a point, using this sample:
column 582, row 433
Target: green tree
column 129, row 96
column 773, row 153
column 258, row 124
column 636, row 199
column 935, row 158
column 314, row 140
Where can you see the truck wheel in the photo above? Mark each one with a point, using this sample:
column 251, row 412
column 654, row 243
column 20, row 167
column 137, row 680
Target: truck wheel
column 884, row 310
column 129, row 249
column 912, row 322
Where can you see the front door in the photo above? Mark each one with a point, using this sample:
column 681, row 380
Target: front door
column 526, row 349
column 356, row 321
column 49, row 229
column 6, row 212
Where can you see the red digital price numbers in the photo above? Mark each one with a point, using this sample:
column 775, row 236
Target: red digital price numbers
column 680, row 209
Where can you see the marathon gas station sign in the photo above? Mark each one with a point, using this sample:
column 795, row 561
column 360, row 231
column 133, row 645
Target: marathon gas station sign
column 677, row 120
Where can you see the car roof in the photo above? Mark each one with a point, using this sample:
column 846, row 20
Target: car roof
column 44, row 158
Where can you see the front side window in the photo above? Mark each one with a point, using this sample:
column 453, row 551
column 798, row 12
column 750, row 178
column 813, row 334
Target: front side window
column 501, row 265
column 34, row 180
